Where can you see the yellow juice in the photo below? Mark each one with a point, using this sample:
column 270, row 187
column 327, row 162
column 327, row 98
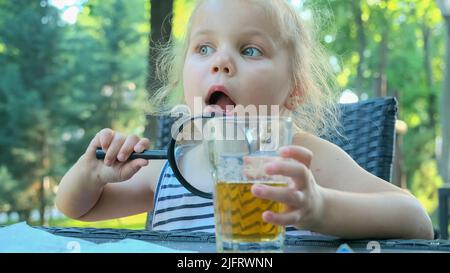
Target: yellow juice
column 239, row 213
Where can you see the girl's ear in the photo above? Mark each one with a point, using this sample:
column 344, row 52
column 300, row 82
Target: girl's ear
column 294, row 99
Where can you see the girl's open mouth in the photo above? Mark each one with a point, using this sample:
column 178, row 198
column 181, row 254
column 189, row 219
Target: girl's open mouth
column 219, row 101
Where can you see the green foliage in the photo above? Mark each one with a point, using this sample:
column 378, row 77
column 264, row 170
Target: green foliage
column 30, row 90
column 62, row 83
column 404, row 24
column 108, row 49
column 427, row 181
column 7, row 189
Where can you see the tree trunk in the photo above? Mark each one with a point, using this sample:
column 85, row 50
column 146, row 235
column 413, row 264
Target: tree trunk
column 445, row 111
column 41, row 203
column 161, row 29
column 356, row 5
column 381, row 87
column 45, row 169
column 399, row 174
column 426, row 33
column 24, row 215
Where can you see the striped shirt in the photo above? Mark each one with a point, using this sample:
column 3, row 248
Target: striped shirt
column 177, row 209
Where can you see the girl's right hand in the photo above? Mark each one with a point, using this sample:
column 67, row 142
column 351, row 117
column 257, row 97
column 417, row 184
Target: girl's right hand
column 118, row 147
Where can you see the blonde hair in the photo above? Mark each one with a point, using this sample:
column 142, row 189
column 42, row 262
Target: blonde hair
column 311, row 73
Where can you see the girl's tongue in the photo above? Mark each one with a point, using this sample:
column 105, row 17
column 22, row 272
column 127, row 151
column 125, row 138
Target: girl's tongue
column 223, row 101
column 219, row 104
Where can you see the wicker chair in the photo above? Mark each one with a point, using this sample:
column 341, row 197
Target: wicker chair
column 366, row 134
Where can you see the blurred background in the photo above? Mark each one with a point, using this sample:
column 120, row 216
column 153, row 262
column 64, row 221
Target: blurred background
column 71, row 67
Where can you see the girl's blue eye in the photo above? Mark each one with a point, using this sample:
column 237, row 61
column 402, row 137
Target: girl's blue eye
column 205, row 50
column 252, row 52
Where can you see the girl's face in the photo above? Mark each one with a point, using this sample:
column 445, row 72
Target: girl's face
column 235, row 57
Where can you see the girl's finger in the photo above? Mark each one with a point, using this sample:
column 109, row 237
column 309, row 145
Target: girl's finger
column 296, row 170
column 114, row 148
column 105, row 136
column 282, row 219
column 128, row 169
column 298, row 153
column 287, row 195
column 127, row 148
column 143, row 144
column 92, row 147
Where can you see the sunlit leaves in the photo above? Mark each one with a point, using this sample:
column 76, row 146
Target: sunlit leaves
column 182, row 12
column 404, row 22
column 427, row 181
column 343, row 77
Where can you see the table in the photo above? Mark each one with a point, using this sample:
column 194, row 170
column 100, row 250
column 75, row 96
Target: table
column 205, row 242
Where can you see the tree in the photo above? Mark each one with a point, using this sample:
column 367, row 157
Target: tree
column 30, row 91
column 107, row 59
column 61, row 83
column 357, row 13
column 392, row 48
column 445, row 154
column 7, row 189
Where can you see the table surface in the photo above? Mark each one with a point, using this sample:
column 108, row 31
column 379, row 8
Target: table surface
column 205, row 242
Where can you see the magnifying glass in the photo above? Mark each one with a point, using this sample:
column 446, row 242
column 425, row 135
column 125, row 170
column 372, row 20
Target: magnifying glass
column 200, row 145
column 187, row 155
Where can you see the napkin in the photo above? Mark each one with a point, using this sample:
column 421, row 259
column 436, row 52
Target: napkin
column 21, row 238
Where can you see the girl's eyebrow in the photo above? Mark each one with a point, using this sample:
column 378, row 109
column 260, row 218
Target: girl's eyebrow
column 245, row 33
column 256, row 33
column 202, row 32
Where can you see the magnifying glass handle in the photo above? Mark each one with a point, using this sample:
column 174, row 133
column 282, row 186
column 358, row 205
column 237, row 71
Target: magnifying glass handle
column 146, row 154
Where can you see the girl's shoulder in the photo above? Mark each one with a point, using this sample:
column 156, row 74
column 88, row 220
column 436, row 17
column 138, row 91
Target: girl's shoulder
column 315, row 144
column 333, row 168
column 329, row 160
column 324, row 151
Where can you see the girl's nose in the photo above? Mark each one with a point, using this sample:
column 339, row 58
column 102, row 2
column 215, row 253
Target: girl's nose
column 223, row 64
column 218, row 68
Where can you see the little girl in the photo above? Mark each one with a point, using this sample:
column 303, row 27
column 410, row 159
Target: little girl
column 247, row 52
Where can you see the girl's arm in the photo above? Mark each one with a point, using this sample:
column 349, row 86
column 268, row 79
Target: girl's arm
column 127, row 198
column 358, row 204
column 374, row 215
column 94, row 190
column 332, row 195
column 90, row 202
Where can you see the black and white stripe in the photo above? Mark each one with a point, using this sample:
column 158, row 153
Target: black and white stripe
column 177, row 209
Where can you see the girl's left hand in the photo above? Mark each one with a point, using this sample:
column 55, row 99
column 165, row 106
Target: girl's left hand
column 303, row 197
